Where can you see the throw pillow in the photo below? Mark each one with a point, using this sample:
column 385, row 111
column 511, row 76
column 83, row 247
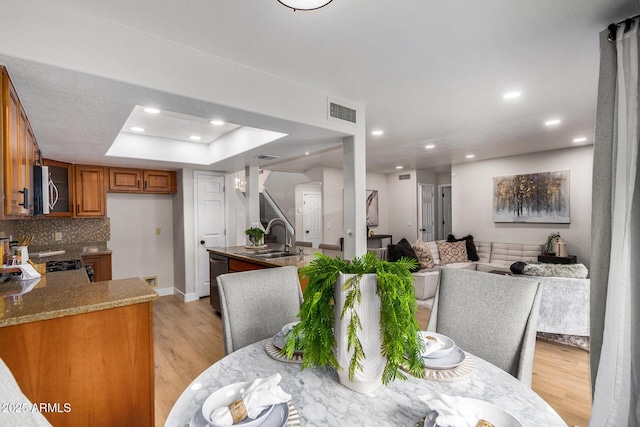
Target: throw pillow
column 423, row 253
column 472, row 252
column 401, row 249
column 451, row 252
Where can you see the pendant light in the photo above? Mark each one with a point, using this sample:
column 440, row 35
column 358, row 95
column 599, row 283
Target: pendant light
column 305, row 4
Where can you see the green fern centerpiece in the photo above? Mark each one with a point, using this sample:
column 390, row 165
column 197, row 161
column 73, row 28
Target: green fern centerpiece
column 399, row 339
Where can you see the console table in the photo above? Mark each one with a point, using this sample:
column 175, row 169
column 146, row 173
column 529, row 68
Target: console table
column 379, row 240
column 551, row 259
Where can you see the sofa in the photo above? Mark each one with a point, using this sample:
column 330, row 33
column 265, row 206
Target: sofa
column 564, row 302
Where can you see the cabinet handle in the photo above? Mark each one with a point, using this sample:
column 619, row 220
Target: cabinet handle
column 138, row 184
column 25, row 198
column 78, row 208
column 145, row 185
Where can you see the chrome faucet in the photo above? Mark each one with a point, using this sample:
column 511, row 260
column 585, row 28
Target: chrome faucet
column 287, row 241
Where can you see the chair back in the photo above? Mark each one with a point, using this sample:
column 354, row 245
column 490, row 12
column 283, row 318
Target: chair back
column 492, row 316
column 256, row 304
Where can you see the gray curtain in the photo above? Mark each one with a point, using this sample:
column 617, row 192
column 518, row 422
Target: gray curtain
column 615, row 238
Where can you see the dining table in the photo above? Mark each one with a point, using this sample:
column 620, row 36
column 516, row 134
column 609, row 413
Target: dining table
column 318, row 399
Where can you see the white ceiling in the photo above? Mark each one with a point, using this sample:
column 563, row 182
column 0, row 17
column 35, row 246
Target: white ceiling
column 427, row 72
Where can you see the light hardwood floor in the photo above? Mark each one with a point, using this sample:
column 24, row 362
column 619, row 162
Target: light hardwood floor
column 188, row 339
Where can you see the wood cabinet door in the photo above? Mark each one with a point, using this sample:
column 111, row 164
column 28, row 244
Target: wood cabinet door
column 125, row 180
column 159, row 181
column 14, row 155
column 60, row 188
column 90, row 195
column 101, row 265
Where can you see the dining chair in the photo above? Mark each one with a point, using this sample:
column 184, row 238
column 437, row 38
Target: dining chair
column 329, row 246
column 492, row 316
column 300, row 243
column 256, row 304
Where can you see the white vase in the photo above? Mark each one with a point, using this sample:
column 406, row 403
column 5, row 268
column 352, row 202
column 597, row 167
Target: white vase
column 370, row 378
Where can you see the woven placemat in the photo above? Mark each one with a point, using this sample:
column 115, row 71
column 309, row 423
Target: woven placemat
column 460, row 372
column 274, row 353
column 294, row 417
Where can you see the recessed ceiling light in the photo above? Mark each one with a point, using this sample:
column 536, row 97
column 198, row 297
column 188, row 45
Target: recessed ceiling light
column 470, row 156
column 399, row 167
column 306, row 154
column 377, row 132
column 195, row 137
column 217, row 122
column 429, row 147
column 512, row 95
column 552, row 122
column 137, row 129
column 151, row 110
column 580, row 139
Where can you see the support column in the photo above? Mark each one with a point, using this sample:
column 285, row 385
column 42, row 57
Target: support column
column 252, row 195
column 355, row 195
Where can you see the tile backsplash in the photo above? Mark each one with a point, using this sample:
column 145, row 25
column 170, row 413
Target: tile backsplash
column 79, row 230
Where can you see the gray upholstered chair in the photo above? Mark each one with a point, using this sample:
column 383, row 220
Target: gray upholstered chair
column 256, row 304
column 11, row 393
column 300, row 243
column 490, row 315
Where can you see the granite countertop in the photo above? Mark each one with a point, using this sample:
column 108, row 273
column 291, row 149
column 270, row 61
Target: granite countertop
column 65, row 293
column 299, row 261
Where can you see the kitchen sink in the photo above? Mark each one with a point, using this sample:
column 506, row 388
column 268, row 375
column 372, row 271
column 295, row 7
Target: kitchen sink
column 275, row 255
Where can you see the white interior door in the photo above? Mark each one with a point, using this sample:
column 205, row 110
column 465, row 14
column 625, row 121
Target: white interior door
column 312, row 217
column 445, row 212
column 427, row 213
column 210, row 222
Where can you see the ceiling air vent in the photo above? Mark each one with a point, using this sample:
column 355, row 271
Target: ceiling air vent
column 341, row 112
column 267, row 157
column 405, row 176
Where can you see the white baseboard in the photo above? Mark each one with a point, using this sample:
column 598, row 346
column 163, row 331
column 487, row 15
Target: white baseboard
column 185, row 297
column 163, row 292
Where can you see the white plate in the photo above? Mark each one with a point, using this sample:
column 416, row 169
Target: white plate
column 488, row 411
column 450, row 361
column 278, row 341
column 277, row 418
column 448, row 344
column 224, row 397
column 289, row 326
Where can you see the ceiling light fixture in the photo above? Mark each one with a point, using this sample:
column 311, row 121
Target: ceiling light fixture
column 430, row 146
column 377, row 132
column 512, row 95
column 217, row 122
column 137, row 129
column 151, row 110
column 552, row 122
column 306, row 154
column 580, row 139
column 399, row 167
column 470, row 156
column 304, row 4
column 195, row 138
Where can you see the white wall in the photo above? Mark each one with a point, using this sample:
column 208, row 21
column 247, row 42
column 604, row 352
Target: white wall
column 332, row 205
column 136, row 249
column 472, row 199
column 402, row 206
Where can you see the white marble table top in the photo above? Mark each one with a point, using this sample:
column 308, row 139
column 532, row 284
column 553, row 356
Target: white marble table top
column 322, row 401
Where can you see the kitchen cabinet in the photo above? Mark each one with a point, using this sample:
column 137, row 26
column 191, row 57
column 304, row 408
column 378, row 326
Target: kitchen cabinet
column 61, row 188
column 126, row 180
column 19, row 148
column 90, row 191
column 101, row 265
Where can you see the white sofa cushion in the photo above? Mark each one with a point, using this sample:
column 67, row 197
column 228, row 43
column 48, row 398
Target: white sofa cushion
column 506, row 254
column 484, row 251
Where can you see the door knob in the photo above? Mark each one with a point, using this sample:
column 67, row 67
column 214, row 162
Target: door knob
column 307, row 231
column 202, row 242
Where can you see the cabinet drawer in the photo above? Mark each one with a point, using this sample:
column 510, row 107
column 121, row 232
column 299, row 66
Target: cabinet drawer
column 125, row 180
column 236, row 265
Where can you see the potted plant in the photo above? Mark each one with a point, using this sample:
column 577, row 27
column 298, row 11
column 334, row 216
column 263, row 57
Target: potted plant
column 340, row 300
column 255, row 235
column 549, row 246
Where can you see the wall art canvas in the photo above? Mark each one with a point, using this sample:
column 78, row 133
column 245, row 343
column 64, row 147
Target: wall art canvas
column 372, row 207
column 537, row 198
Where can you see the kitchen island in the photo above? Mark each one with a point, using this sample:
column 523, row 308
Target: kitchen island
column 238, row 258
column 81, row 350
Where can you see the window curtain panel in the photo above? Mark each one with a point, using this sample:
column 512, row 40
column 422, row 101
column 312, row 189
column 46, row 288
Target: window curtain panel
column 615, row 236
